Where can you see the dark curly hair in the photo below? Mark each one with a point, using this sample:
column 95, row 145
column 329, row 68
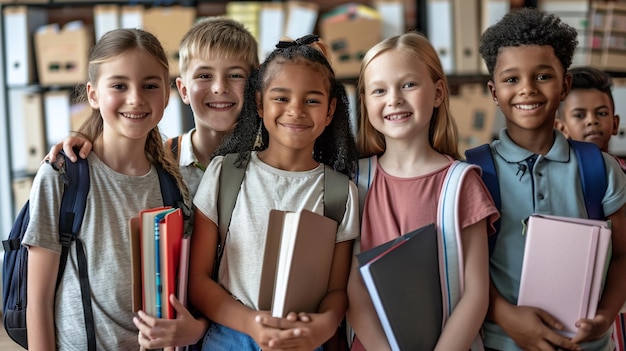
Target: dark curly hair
column 336, row 145
column 528, row 26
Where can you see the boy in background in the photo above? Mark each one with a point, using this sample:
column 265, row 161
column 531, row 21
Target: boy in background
column 216, row 57
column 588, row 111
column 588, row 114
column 528, row 53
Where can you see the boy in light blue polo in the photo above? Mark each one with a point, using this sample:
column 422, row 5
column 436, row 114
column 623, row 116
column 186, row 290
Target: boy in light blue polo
column 528, row 53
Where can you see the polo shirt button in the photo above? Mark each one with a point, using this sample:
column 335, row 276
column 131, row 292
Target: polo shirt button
column 539, row 174
column 540, row 196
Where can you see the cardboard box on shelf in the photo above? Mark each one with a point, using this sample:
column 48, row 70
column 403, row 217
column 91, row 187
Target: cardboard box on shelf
column 169, row 25
column 350, row 30
column 474, row 112
column 62, row 53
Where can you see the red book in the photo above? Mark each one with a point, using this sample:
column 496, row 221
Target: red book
column 171, row 235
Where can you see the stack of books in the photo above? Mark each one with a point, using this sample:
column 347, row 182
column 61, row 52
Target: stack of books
column 160, row 260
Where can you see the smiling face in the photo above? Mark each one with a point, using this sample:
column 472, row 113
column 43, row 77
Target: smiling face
column 528, row 85
column 131, row 92
column 400, row 95
column 587, row 115
column 296, row 106
column 214, row 88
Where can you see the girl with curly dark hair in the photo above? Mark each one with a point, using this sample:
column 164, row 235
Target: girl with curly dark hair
column 295, row 121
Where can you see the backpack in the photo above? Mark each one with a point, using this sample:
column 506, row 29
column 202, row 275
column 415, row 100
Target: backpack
column 448, row 230
column 590, row 167
column 73, row 203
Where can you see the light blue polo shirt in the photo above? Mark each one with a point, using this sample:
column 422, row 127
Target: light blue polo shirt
column 545, row 184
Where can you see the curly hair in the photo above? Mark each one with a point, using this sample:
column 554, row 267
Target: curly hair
column 528, row 26
column 111, row 45
column 335, row 147
column 586, row 78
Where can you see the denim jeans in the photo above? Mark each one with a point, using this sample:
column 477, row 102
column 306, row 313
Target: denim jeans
column 221, row 338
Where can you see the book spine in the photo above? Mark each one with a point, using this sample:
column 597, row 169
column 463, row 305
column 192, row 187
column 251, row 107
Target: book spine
column 157, row 268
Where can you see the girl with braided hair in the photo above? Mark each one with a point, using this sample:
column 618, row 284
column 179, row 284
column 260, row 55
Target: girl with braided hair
column 128, row 89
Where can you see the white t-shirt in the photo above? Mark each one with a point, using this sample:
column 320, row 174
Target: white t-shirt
column 187, row 163
column 264, row 188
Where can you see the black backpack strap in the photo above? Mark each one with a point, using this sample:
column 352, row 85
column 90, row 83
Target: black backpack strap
column 73, row 204
column 231, row 177
column 335, row 194
column 481, row 156
column 169, row 189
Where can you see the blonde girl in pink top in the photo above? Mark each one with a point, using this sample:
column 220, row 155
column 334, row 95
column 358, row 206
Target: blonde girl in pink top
column 406, row 124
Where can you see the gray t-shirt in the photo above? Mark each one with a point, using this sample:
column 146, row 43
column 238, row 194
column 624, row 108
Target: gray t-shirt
column 264, row 188
column 112, row 200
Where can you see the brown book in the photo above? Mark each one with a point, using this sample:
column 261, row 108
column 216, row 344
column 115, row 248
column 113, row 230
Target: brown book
column 299, row 255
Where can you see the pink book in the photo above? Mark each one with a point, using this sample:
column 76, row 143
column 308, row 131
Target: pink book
column 183, row 275
column 183, row 271
column 564, row 266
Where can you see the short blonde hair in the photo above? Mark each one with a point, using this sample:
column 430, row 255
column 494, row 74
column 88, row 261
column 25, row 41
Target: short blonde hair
column 218, row 37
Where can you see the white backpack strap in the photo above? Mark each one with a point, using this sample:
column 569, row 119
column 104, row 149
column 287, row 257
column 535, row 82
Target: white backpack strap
column 366, row 169
column 450, row 244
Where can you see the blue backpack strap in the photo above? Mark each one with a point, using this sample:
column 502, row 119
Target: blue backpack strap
column 482, row 157
column 592, row 176
column 73, row 204
column 450, row 242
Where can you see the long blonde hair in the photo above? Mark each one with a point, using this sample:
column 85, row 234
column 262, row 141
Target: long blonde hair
column 111, row 45
column 443, row 134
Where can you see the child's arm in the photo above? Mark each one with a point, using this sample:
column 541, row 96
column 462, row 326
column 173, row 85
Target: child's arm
column 209, row 297
column 43, row 265
column 75, row 139
column 157, row 333
column 464, row 324
column 320, row 326
column 530, row 328
column 614, row 292
column 361, row 313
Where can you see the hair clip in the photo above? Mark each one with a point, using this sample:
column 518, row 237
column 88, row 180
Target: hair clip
column 305, row 40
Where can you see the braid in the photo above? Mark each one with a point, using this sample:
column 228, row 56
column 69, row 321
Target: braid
column 157, row 155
